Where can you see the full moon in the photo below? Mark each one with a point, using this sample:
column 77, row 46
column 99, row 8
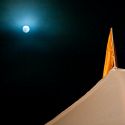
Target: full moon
column 26, row 29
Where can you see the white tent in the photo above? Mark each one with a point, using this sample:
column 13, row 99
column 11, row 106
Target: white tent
column 104, row 104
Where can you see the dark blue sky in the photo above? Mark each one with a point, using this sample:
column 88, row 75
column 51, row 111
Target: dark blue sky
column 62, row 56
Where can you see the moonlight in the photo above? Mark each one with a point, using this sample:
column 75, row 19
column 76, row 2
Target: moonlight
column 26, row 29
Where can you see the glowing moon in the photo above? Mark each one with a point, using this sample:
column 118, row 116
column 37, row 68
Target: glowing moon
column 26, row 29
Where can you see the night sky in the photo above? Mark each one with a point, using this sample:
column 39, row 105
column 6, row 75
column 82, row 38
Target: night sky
column 59, row 60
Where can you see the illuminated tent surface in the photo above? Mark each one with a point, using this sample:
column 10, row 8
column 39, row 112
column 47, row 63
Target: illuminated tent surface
column 104, row 104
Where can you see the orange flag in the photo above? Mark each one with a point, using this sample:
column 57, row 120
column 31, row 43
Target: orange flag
column 110, row 58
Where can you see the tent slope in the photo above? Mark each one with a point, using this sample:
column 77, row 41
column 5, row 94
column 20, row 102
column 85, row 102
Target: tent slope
column 104, row 104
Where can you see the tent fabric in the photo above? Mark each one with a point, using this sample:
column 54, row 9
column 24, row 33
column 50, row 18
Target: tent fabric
column 104, row 104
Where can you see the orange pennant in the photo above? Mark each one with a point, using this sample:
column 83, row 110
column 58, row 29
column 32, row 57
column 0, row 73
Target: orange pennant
column 110, row 58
